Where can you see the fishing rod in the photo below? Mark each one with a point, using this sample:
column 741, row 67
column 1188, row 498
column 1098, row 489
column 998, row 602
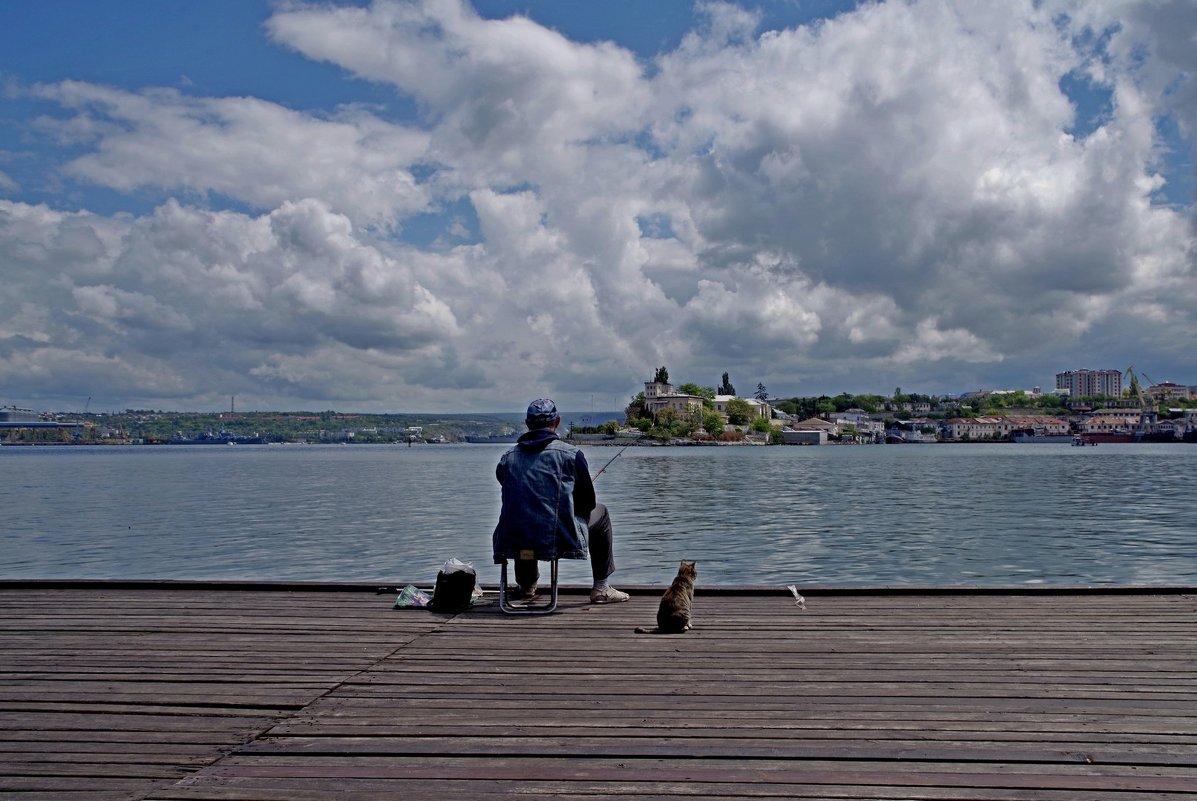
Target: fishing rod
column 612, row 459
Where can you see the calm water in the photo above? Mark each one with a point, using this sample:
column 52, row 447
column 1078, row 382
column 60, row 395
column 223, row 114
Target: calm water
column 910, row 515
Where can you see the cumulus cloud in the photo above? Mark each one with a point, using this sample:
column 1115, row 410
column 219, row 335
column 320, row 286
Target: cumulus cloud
column 904, row 193
column 243, row 148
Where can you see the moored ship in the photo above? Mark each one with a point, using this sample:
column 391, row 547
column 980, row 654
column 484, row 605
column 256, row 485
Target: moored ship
column 1094, row 437
column 493, row 438
column 221, row 438
column 1026, row 435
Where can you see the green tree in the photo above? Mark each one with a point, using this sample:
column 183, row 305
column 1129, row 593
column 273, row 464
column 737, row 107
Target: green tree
column 635, row 409
column 739, row 412
column 869, row 403
column 713, row 423
column 761, row 393
column 726, row 388
column 1051, row 401
column 662, row 376
column 706, row 393
column 761, row 425
column 789, row 406
column 843, row 402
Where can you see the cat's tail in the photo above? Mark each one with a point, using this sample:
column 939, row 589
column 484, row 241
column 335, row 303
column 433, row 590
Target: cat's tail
column 659, row 630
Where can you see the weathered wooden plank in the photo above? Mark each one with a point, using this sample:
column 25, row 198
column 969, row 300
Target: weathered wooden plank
column 146, row 720
column 730, row 746
column 111, row 769
column 250, row 789
column 857, row 697
column 60, row 786
column 175, row 756
column 732, row 771
column 828, row 730
column 100, row 739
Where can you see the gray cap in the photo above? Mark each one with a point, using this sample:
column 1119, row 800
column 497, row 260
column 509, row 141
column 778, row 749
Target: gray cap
column 542, row 413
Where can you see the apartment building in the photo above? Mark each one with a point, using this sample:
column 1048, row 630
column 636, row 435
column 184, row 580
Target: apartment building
column 1088, row 383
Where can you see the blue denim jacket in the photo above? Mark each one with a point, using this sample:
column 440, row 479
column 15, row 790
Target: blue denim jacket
column 539, row 477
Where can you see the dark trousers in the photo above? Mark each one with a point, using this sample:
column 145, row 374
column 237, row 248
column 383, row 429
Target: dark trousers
column 602, row 555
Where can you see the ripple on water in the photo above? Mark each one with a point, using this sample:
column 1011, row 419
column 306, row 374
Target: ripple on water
column 848, row 516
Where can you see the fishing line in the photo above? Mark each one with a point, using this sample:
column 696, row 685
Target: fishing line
column 612, row 459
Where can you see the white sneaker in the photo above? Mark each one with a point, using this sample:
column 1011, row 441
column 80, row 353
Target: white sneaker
column 608, row 596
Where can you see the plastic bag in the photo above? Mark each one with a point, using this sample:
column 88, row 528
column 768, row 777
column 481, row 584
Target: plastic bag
column 456, row 587
column 455, row 565
column 412, row 596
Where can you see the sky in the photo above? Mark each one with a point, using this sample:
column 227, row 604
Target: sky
column 398, row 206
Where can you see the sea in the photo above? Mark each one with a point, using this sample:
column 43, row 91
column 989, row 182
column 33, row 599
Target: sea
column 987, row 515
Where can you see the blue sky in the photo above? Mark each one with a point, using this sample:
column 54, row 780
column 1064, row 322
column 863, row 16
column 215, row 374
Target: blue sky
column 404, row 206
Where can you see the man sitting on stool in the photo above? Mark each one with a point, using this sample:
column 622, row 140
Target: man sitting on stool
column 547, row 491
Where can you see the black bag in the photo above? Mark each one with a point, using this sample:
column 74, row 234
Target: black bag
column 454, row 591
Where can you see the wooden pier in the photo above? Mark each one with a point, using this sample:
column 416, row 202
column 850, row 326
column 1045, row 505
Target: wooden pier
column 195, row 692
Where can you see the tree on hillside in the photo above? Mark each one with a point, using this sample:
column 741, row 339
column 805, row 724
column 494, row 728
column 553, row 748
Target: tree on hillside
column 1052, row 402
column 635, row 409
column 739, row 412
column 706, row 393
column 726, row 388
column 662, row 376
column 713, row 423
column 761, row 393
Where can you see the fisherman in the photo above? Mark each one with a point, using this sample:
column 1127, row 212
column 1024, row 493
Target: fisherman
column 549, row 507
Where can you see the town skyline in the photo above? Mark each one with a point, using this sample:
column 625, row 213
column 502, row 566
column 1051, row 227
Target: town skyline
column 590, row 407
column 410, row 205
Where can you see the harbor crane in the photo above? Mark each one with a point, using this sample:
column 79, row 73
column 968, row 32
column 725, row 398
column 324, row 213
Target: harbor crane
column 1147, row 410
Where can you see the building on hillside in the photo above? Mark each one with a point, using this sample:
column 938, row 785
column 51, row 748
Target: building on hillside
column 1166, row 391
column 762, row 408
column 1108, row 424
column 1128, row 416
column 15, row 415
column 859, row 419
column 961, row 428
column 791, row 436
column 1038, row 424
column 759, row 408
column 920, row 429
column 1169, row 429
column 1089, row 383
column 816, row 424
column 659, row 396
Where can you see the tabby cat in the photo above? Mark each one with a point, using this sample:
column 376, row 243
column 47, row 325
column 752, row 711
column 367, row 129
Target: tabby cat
column 673, row 615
